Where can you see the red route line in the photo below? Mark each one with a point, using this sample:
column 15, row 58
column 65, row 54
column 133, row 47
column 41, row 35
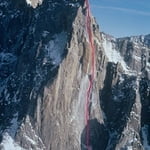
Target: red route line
column 89, row 89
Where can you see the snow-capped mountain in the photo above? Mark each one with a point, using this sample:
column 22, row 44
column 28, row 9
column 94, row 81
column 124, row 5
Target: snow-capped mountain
column 45, row 62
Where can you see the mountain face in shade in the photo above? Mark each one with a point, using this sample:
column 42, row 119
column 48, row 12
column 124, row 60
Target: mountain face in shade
column 45, row 63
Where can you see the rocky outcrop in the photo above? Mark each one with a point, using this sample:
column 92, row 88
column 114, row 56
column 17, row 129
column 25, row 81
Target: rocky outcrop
column 45, row 63
column 120, row 97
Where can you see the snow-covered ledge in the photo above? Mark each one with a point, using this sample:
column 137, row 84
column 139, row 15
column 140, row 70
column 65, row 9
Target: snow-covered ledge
column 34, row 3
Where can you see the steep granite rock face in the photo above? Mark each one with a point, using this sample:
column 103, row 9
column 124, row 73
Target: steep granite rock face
column 45, row 68
column 32, row 47
column 45, row 63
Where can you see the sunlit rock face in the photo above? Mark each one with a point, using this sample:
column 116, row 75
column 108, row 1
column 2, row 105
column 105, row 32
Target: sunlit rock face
column 45, row 63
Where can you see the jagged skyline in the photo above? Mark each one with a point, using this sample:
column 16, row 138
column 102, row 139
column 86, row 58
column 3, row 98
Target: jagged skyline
column 122, row 18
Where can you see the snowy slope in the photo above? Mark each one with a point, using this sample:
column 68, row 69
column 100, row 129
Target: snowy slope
column 112, row 53
column 9, row 144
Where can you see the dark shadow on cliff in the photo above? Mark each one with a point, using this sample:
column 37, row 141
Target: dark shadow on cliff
column 145, row 111
column 116, row 100
column 98, row 136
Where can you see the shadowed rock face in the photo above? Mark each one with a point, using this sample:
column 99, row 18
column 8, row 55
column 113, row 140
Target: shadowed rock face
column 45, row 61
column 98, row 136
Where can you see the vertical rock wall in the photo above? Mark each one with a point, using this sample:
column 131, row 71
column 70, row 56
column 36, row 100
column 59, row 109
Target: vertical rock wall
column 45, row 63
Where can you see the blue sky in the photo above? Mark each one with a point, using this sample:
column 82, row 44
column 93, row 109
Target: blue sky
column 122, row 17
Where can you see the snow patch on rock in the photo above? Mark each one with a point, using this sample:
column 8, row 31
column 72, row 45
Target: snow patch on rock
column 54, row 50
column 29, row 2
column 79, row 106
column 14, row 125
column 30, row 135
column 34, row 3
column 113, row 55
column 9, row 144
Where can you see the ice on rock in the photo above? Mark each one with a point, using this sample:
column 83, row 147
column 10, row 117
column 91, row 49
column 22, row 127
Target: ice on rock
column 54, row 50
